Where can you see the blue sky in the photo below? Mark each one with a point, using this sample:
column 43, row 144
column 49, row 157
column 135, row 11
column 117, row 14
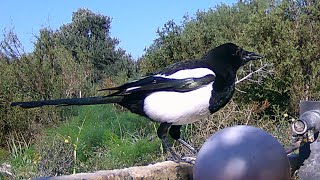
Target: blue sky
column 134, row 22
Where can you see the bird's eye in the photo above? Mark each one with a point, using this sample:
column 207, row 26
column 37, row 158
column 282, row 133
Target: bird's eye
column 238, row 52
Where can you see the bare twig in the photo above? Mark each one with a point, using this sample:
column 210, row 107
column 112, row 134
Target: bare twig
column 250, row 74
column 240, row 90
column 11, row 46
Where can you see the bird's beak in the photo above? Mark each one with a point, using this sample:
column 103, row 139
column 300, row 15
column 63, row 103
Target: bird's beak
column 250, row 56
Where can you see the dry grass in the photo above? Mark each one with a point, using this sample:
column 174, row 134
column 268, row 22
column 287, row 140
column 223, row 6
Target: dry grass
column 231, row 115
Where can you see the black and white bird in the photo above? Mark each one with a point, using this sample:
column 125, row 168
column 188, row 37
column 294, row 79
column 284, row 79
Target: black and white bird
column 180, row 94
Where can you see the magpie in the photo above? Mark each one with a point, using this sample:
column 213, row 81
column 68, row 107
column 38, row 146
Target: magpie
column 180, row 94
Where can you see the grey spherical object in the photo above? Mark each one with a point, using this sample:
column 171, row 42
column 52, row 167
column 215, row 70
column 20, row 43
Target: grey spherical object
column 241, row 153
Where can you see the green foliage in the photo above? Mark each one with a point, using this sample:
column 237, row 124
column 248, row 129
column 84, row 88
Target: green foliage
column 99, row 137
column 95, row 120
column 195, row 36
column 4, row 154
column 125, row 153
column 87, row 37
column 286, row 37
column 81, row 56
column 22, row 155
column 285, row 32
column 64, row 64
column 34, row 77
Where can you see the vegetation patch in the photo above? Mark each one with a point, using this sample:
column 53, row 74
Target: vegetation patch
column 81, row 57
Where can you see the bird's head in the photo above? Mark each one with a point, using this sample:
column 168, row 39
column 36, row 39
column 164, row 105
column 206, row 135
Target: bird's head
column 231, row 54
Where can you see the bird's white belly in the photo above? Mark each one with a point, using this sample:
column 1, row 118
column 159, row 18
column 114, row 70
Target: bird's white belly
column 178, row 108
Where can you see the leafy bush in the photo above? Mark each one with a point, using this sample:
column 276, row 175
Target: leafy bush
column 34, row 79
column 284, row 32
column 62, row 65
column 81, row 56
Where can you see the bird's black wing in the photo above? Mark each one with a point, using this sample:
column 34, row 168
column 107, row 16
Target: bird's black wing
column 158, row 83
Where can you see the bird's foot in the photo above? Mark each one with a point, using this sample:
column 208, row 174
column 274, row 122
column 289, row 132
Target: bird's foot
column 174, row 156
column 189, row 160
column 185, row 159
column 174, row 159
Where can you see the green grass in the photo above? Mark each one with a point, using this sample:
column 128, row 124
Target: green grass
column 4, row 155
column 94, row 126
column 98, row 137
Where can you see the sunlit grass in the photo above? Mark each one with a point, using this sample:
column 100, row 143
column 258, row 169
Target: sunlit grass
column 98, row 137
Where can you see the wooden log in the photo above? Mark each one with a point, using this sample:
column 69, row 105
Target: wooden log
column 162, row 170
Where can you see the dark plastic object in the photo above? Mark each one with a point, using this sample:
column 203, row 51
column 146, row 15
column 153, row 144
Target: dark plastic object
column 309, row 105
column 309, row 153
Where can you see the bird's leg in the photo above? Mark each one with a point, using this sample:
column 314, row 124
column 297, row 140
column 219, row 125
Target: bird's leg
column 162, row 134
column 175, row 133
column 192, row 149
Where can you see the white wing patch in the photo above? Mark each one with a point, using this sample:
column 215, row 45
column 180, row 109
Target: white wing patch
column 180, row 108
column 132, row 88
column 188, row 73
